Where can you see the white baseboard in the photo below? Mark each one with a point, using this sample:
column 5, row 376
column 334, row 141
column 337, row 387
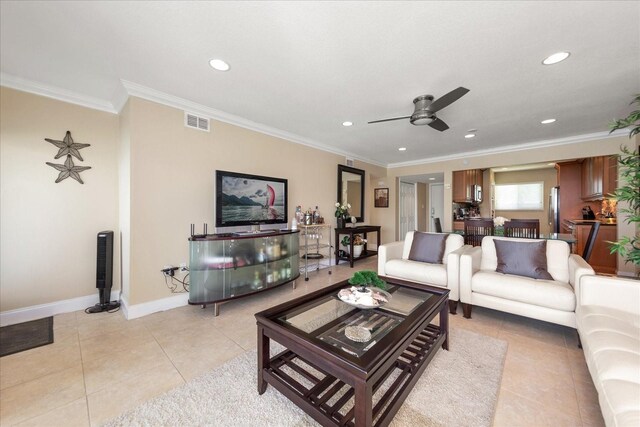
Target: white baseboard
column 11, row 317
column 139, row 310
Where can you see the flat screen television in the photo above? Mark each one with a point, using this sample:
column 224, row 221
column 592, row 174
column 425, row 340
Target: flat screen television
column 243, row 199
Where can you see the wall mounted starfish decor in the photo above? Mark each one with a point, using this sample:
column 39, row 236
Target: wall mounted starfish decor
column 67, row 147
column 69, row 170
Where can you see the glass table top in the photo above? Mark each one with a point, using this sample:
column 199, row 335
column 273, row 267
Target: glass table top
column 351, row 329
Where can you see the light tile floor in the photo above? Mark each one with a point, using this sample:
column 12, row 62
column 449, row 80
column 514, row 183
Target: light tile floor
column 102, row 365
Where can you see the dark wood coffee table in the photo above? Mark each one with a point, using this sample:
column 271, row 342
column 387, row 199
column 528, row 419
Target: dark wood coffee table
column 324, row 372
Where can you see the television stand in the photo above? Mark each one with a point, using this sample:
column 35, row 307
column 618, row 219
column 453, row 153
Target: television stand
column 254, row 232
column 229, row 267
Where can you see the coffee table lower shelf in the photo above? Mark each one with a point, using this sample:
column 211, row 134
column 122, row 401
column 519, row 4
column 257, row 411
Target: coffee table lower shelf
column 330, row 401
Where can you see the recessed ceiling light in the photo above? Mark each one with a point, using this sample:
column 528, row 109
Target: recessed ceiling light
column 470, row 135
column 347, row 124
column 504, row 169
column 402, row 149
column 219, row 64
column 547, row 121
column 432, row 179
column 555, row 58
column 551, row 164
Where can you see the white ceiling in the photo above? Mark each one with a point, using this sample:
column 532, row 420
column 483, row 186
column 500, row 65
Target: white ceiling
column 305, row 67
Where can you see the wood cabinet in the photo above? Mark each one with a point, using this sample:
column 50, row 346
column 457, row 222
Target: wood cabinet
column 460, row 186
column 599, row 177
column 601, row 260
column 458, row 225
column 463, row 182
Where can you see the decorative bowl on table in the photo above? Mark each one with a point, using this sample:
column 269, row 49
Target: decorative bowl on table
column 365, row 298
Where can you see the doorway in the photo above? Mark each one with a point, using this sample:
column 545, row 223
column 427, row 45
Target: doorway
column 407, row 211
column 436, row 205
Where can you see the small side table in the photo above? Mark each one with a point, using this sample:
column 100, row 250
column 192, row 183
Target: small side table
column 363, row 229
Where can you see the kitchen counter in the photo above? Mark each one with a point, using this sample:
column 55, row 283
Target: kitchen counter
column 605, row 221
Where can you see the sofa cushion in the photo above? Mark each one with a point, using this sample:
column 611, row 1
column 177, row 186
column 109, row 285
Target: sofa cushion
column 416, row 271
column 453, row 243
column 528, row 259
column 544, row 293
column 592, row 318
column 619, row 402
column 557, row 256
column 427, row 247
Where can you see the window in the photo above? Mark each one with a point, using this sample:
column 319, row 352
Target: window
column 520, row 197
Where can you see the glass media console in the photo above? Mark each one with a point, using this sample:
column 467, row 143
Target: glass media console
column 228, row 266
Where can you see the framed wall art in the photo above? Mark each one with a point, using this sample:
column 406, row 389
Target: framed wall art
column 381, row 197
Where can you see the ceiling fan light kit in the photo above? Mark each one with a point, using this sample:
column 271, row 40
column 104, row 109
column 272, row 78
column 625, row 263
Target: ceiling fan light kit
column 425, row 108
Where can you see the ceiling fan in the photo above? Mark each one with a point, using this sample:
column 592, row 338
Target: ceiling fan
column 426, row 108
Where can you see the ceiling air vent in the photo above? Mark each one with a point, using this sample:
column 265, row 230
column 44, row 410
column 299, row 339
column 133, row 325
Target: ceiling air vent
column 196, row 122
column 349, row 162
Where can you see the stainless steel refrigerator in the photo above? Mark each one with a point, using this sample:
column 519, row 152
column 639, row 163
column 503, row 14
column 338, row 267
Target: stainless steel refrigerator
column 554, row 209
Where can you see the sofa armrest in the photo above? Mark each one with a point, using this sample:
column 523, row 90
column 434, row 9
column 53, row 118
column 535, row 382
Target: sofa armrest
column 388, row 252
column 453, row 272
column 469, row 265
column 578, row 267
column 611, row 292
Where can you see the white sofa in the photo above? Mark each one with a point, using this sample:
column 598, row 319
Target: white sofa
column 549, row 300
column 393, row 262
column 608, row 320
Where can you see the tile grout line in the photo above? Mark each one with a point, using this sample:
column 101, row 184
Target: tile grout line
column 165, row 354
column 84, row 379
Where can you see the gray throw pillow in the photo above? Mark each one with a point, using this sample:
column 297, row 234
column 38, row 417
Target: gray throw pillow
column 428, row 247
column 528, row 259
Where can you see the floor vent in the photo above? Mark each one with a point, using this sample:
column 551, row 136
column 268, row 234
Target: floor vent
column 196, row 122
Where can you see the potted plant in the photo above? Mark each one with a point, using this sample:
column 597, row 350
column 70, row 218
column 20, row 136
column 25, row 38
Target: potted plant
column 365, row 278
column 629, row 187
column 342, row 213
column 358, row 244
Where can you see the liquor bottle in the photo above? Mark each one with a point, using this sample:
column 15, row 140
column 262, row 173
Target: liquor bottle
column 316, row 216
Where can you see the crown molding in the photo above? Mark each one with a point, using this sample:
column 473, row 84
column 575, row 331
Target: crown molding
column 57, row 93
column 139, row 91
column 127, row 89
column 514, row 148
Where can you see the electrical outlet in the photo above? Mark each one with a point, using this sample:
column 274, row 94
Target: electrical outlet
column 169, row 270
column 183, row 266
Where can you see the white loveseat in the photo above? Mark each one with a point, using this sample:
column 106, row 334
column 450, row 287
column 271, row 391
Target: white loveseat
column 549, row 300
column 608, row 320
column 393, row 261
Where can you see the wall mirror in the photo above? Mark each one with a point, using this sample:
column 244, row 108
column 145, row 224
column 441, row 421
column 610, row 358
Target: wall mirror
column 351, row 190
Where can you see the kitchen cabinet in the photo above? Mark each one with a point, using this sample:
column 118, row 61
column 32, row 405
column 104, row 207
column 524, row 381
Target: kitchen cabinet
column 459, row 186
column 599, row 177
column 463, row 182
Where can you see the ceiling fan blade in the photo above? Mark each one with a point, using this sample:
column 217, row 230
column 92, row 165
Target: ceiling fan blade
column 438, row 124
column 388, row 120
column 447, row 99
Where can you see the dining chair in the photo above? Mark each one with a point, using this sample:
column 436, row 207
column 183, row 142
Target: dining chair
column 591, row 241
column 476, row 229
column 523, row 228
column 436, row 222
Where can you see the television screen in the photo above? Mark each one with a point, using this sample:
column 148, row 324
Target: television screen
column 243, row 199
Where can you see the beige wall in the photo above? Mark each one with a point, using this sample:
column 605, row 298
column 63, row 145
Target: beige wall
column 172, row 183
column 48, row 231
column 151, row 179
column 547, row 176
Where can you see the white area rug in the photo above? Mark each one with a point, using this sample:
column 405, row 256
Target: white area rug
column 458, row 388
